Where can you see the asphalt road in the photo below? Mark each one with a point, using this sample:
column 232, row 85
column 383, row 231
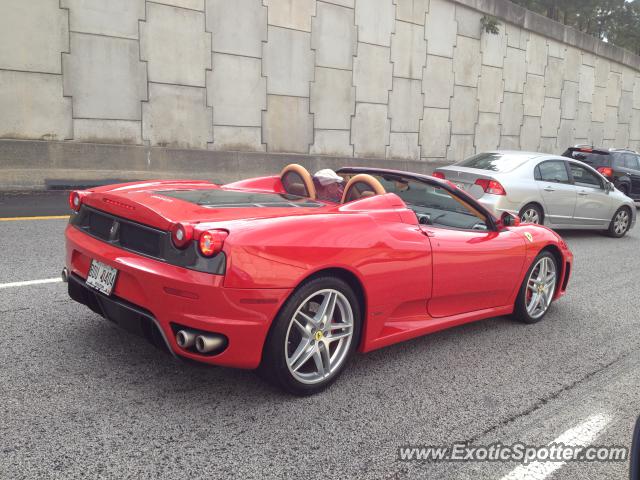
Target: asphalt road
column 81, row 399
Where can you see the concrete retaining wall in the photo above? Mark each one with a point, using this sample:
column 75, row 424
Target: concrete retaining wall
column 408, row 83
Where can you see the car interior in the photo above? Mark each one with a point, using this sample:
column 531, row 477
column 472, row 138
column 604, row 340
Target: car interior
column 432, row 205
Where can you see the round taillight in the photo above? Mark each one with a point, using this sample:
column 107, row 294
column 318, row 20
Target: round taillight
column 75, row 201
column 211, row 242
column 181, row 235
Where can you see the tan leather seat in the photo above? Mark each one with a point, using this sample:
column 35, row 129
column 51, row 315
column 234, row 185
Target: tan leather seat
column 296, row 180
column 361, row 186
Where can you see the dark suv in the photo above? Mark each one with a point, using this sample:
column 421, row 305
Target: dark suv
column 622, row 167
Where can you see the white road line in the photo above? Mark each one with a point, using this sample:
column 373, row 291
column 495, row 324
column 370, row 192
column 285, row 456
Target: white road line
column 580, row 435
column 30, row 282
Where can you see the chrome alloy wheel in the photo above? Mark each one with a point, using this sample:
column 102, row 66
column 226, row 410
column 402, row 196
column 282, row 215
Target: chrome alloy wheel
column 541, row 286
column 319, row 336
column 530, row 215
column 621, row 222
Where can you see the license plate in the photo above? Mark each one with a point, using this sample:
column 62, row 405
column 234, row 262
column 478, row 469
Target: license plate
column 102, row 277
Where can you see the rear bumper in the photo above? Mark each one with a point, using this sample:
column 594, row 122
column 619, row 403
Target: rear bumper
column 498, row 204
column 151, row 292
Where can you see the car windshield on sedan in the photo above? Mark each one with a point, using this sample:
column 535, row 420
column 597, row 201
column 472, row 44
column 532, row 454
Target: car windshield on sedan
column 495, row 162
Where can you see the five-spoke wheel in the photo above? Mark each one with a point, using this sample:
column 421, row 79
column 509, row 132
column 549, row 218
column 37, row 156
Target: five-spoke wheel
column 313, row 336
column 537, row 290
column 319, row 336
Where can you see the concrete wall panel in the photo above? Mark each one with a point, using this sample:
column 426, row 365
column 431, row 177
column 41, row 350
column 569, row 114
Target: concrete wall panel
column 334, row 36
column 533, row 95
column 412, row 10
column 490, row 89
column 487, row 132
column 236, row 90
column 33, row 33
column 468, row 22
column 372, row 70
column 375, row 21
column 408, row 50
column 550, row 117
column 437, row 82
column 460, row 147
column 587, row 83
column 287, row 125
column 441, row 28
column 466, row 62
column 515, row 70
column 32, row 106
column 177, row 116
column 237, row 27
column 116, row 18
column 333, row 99
column 464, row 110
column 105, row 77
column 435, row 130
column 244, row 139
column 107, row 131
column 288, row 62
column 175, row 45
column 512, row 113
column 405, row 105
column 370, row 130
column 294, row 14
column 403, row 146
column 554, row 77
column 494, row 49
column 537, row 54
column 332, row 142
column 530, row 134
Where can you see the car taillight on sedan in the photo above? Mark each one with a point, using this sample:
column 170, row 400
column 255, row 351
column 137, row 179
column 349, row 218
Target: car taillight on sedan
column 181, row 235
column 439, row 175
column 606, row 171
column 211, row 242
column 491, row 186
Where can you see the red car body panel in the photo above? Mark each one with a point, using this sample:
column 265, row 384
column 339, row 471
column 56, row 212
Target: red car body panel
column 414, row 279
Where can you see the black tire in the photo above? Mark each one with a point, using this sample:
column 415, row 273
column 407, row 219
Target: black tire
column 520, row 312
column 532, row 207
column 615, row 229
column 274, row 367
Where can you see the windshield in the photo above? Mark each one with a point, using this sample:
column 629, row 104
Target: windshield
column 495, row 162
column 433, row 205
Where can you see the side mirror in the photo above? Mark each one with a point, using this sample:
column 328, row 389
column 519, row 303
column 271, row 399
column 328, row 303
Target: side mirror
column 508, row 220
column 609, row 187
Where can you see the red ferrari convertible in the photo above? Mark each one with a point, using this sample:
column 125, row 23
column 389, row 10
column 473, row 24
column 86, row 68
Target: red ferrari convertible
column 262, row 274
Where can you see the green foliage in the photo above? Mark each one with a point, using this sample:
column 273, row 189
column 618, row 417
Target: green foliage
column 490, row 24
column 614, row 21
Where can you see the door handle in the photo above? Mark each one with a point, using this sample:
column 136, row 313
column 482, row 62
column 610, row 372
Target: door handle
column 583, row 193
column 549, row 189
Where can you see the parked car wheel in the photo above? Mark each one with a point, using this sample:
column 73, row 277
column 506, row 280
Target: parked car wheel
column 537, row 290
column 620, row 223
column 313, row 337
column 532, row 213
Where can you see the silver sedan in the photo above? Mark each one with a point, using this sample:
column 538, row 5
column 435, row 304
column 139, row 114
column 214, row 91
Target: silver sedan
column 546, row 189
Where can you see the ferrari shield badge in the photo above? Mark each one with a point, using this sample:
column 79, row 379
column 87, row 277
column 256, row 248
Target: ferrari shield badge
column 529, row 236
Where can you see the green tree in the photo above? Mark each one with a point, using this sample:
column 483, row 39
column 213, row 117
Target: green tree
column 614, row 21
